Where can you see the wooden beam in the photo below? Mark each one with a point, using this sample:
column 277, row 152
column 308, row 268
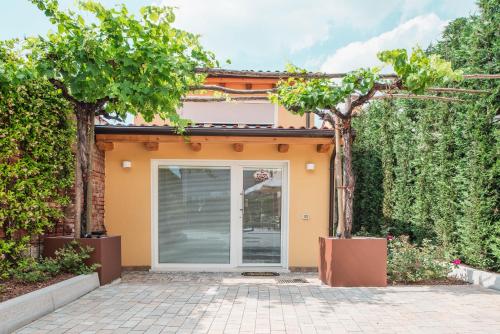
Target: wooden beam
column 105, row 145
column 195, row 147
column 416, row 97
column 238, row 147
column 323, row 148
column 152, row 146
column 283, row 148
column 218, row 72
column 211, row 139
column 219, row 88
column 224, row 99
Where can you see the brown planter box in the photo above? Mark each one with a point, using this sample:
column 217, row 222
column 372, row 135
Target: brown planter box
column 107, row 252
column 353, row 262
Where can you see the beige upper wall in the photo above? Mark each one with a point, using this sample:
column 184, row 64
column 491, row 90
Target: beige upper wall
column 128, row 194
column 284, row 117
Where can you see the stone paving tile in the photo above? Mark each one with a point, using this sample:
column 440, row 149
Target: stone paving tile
column 229, row 303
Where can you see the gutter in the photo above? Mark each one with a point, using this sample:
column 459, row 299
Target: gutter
column 332, row 208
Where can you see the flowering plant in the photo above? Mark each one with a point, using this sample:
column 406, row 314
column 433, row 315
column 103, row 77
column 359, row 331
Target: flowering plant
column 407, row 262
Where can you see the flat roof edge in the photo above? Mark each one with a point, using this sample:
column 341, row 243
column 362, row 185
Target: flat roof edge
column 214, row 131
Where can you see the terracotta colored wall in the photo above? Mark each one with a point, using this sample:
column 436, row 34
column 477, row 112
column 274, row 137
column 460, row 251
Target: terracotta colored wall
column 128, row 194
column 287, row 119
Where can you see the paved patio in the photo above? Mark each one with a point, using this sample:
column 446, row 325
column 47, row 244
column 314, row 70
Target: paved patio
column 230, row 303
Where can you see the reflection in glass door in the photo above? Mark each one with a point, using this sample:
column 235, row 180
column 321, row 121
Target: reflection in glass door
column 262, row 214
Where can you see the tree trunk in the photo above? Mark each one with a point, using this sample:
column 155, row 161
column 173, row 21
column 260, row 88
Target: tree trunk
column 349, row 177
column 84, row 121
column 338, row 180
column 90, row 172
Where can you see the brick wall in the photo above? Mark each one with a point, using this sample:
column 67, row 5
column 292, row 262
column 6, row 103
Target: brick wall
column 98, row 191
column 67, row 225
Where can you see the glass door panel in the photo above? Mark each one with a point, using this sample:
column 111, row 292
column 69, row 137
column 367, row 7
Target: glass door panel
column 262, row 193
column 194, row 214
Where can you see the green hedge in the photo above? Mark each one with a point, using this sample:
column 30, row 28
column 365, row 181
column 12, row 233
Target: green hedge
column 430, row 169
column 36, row 163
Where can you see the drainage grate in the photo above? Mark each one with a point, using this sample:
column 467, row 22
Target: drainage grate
column 259, row 273
column 291, row 280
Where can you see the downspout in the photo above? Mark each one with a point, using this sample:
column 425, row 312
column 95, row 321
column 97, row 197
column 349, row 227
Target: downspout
column 332, row 214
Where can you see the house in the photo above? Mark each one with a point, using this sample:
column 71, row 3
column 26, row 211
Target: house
column 247, row 188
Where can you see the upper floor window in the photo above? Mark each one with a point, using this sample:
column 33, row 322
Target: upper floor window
column 251, row 113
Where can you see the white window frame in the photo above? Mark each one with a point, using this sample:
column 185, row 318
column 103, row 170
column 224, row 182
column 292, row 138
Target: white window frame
column 236, row 225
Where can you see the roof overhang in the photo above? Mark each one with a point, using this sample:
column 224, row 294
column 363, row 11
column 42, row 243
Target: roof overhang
column 216, row 131
column 151, row 136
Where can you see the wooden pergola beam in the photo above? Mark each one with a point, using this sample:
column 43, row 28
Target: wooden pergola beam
column 220, row 72
column 238, row 147
column 263, row 93
column 283, row 148
column 231, row 90
column 105, row 145
column 416, row 97
column 323, row 148
column 195, row 146
column 223, row 99
column 152, row 146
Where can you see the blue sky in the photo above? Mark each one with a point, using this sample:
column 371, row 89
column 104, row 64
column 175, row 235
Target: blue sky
column 328, row 35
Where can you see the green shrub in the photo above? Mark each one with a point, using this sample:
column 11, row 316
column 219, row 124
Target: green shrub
column 72, row 258
column 36, row 161
column 411, row 263
column 31, row 271
column 50, row 266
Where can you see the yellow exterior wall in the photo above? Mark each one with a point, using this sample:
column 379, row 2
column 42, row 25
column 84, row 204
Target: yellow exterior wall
column 128, row 194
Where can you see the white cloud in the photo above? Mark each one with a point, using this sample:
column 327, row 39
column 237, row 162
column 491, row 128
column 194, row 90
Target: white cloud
column 262, row 28
column 421, row 30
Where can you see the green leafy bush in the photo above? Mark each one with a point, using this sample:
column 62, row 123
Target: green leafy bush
column 30, row 271
column 410, row 263
column 72, row 258
column 36, row 159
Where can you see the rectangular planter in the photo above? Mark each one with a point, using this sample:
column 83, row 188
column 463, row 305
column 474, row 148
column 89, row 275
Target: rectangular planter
column 357, row 262
column 20, row 311
column 107, row 252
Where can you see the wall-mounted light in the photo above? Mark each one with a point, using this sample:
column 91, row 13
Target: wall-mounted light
column 310, row 166
column 126, row 164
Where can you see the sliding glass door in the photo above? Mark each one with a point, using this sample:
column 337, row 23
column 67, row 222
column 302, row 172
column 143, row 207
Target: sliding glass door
column 218, row 214
column 194, row 214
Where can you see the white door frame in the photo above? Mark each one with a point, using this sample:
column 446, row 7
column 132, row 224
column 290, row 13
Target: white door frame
column 236, row 227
